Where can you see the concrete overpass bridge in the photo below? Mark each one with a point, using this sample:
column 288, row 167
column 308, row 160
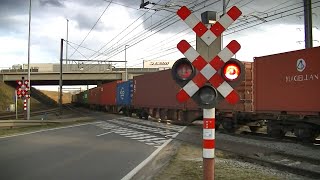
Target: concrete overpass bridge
column 9, row 76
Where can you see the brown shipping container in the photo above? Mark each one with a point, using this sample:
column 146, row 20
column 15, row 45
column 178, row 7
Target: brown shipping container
column 245, row 90
column 94, row 96
column 288, row 82
column 158, row 90
column 108, row 93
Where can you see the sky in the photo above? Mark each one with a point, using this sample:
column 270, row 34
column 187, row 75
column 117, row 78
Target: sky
column 107, row 26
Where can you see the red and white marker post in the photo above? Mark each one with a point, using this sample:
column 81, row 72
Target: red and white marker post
column 23, row 92
column 209, row 143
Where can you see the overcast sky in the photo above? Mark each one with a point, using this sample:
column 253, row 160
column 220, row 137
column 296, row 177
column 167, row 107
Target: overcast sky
column 266, row 27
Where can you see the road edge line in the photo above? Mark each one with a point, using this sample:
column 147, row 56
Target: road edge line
column 145, row 162
column 133, row 172
column 44, row 130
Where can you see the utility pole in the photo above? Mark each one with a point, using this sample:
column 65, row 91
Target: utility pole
column 60, row 81
column 28, row 100
column 67, row 43
column 125, row 63
column 307, row 24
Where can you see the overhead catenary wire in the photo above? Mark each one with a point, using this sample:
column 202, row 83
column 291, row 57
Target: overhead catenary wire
column 121, row 33
column 152, row 27
column 268, row 20
column 92, row 27
column 147, row 36
column 112, row 47
column 254, row 20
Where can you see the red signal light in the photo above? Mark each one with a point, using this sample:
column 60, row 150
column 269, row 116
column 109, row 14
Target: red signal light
column 231, row 71
column 184, row 71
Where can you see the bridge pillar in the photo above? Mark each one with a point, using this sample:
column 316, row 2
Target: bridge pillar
column 123, row 76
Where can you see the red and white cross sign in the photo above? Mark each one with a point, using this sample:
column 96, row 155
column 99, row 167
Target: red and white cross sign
column 208, row 72
column 23, row 88
column 208, row 35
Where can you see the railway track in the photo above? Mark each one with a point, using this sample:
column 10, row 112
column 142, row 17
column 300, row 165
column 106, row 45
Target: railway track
column 299, row 165
column 32, row 113
column 265, row 136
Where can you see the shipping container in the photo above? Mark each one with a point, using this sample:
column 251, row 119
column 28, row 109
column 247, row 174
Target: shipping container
column 85, row 97
column 108, row 93
column 158, row 90
column 154, row 95
column 94, row 96
column 74, row 98
column 288, row 82
column 124, row 93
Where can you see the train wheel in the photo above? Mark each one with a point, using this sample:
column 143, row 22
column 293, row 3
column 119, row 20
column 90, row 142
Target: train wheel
column 129, row 113
column 163, row 114
column 228, row 125
column 275, row 131
column 306, row 135
column 145, row 115
column 254, row 128
column 139, row 114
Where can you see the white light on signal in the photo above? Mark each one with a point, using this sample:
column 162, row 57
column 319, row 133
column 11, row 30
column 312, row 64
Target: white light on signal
column 231, row 71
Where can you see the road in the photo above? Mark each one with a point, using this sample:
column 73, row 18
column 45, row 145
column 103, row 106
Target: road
column 107, row 149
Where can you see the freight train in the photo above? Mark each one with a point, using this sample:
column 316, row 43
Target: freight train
column 280, row 91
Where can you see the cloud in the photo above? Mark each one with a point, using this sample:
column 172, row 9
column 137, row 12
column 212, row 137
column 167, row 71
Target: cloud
column 86, row 22
column 56, row 3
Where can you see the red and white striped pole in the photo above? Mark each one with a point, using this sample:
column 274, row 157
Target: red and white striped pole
column 25, row 108
column 208, row 143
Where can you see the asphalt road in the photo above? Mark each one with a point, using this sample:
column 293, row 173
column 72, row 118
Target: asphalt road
column 108, row 149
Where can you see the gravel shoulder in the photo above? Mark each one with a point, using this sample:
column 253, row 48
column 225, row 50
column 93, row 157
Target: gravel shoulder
column 187, row 162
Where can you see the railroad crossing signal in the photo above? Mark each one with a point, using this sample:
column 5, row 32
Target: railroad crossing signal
column 216, row 79
column 23, row 88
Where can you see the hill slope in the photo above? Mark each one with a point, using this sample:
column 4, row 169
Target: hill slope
column 7, row 98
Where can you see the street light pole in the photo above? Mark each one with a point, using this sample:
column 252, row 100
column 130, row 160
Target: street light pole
column 125, row 63
column 67, row 44
column 60, row 81
column 28, row 109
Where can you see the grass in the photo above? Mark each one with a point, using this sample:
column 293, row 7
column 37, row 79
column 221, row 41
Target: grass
column 7, row 98
column 187, row 165
column 66, row 97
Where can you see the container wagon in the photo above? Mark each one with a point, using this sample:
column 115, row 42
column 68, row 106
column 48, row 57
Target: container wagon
column 81, row 99
column 286, row 92
column 108, row 94
column 279, row 90
column 94, row 98
column 154, row 95
column 124, row 97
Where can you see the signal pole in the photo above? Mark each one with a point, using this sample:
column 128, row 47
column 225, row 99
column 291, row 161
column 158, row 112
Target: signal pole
column 208, row 52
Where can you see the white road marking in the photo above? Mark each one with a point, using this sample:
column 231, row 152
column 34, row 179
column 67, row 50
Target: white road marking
column 145, row 162
column 104, row 134
column 52, row 129
column 144, row 137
